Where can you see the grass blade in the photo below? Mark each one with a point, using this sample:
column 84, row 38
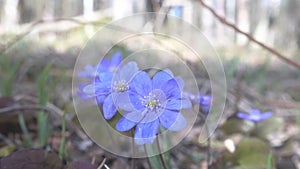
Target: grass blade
column 43, row 119
column 270, row 161
column 63, row 154
column 25, row 130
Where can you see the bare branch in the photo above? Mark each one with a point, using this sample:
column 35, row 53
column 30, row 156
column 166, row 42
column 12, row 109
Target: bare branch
column 251, row 38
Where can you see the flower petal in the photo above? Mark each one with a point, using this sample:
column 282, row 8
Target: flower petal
column 124, row 124
column 180, row 83
column 128, row 71
column 135, row 101
column 160, row 78
column 116, row 59
column 106, row 76
column 150, row 116
column 205, row 100
column 89, row 89
column 145, row 133
column 95, row 90
column 243, row 116
column 254, row 112
column 89, row 72
column 171, row 89
column 109, row 108
column 103, row 66
column 141, row 83
column 102, row 88
column 186, row 103
column 178, row 104
column 100, row 98
column 129, row 120
column 122, row 101
column 265, row 115
column 172, row 120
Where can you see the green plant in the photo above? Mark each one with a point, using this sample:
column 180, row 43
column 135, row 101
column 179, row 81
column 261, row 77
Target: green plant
column 43, row 117
column 270, row 161
column 8, row 70
column 63, row 151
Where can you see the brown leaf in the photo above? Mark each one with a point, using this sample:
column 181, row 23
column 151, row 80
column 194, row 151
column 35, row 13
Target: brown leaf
column 80, row 165
column 31, row 159
column 6, row 102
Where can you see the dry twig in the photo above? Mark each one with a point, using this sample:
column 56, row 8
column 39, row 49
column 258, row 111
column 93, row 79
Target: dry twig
column 251, row 38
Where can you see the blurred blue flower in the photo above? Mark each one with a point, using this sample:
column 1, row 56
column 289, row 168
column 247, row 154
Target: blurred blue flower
column 91, row 72
column 155, row 102
column 204, row 101
column 177, row 11
column 112, row 65
column 255, row 115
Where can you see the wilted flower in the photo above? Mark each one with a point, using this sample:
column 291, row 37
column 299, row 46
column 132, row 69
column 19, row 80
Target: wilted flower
column 255, row 115
column 155, row 102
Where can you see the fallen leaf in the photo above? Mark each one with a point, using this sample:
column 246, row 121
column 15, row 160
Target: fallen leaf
column 31, row 159
column 80, row 165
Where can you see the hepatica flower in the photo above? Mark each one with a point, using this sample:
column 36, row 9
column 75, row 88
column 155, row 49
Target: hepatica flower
column 109, row 81
column 87, row 91
column 105, row 65
column 255, row 115
column 112, row 84
column 112, row 65
column 204, row 101
column 89, row 72
column 156, row 102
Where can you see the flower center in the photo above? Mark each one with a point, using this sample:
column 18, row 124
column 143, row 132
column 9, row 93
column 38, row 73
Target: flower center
column 113, row 69
column 120, row 86
column 151, row 102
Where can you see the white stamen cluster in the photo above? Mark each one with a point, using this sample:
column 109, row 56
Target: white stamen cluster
column 120, row 86
column 151, row 102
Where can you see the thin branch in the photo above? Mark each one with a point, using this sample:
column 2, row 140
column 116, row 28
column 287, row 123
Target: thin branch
column 6, row 110
column 251, row 38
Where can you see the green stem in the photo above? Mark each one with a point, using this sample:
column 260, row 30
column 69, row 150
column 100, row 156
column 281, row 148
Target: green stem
column 147, row 158
column 62, row 148
column 133, row 162
column 25, row 130
column 160, row 155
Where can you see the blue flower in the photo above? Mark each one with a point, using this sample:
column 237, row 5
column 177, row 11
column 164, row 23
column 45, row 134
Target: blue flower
column 255, row 115
column 204, row 101
column 91, row 72
column 112, row 86
column 86, row 91
column 155, row 102
column 110, row 66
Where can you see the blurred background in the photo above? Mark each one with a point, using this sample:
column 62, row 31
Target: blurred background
column 41, row 39
column 274, row 22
